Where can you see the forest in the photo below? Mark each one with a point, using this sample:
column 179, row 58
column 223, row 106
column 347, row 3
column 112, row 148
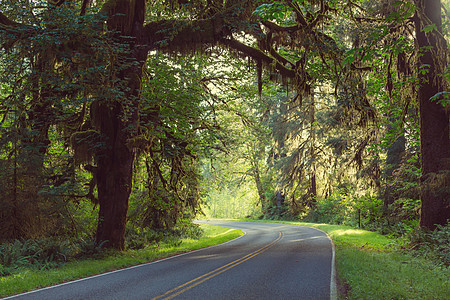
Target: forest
column 121, row 120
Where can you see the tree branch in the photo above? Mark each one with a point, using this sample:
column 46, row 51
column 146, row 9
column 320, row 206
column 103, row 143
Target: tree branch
column 298, row 11
column 183, row 35
column 5, row 21
column 275, row 27
column 258, row 55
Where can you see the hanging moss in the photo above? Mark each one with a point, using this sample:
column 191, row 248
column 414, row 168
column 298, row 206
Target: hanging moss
column 85, row 145
column 141, row 143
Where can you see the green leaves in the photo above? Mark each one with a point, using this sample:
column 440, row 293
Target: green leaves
column 403, row 10
column 443, row 98
column 273, row 11
column 429, row 28
column 424, row 69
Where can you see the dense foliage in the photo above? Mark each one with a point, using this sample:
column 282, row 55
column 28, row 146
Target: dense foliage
column 120, row 119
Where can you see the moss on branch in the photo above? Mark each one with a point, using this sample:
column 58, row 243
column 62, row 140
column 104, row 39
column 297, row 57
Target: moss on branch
column 176, row 35
column 258, row 55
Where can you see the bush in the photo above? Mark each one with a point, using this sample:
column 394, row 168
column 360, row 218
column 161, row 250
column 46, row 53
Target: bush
column 139, row 238
column 87, row 248
column 342, row 208
column 404, row 209
column 44, row 254
column 434, row 244
column 371, row 208
column 38, row 254
column 275, row 213
column 331, row 210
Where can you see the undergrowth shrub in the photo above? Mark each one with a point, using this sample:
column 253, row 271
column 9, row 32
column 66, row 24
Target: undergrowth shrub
column 83, row 248
column 404, row 209
column 45, row 253
column 139, row 238
column 275, row 213
column 371, row 210
column 51, row 252
column 37, row 254
column 343, row 208
column 433, row 244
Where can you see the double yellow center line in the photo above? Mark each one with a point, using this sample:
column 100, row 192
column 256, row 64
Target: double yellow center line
column 194, row 282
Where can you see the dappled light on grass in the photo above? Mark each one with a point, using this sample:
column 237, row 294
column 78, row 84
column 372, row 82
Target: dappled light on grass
column 361, row 238
column 19, row 276
column 347, row 235
column 223, row 233
column 349, row 231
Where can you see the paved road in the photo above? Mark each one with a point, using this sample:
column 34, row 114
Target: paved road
column 272, row 261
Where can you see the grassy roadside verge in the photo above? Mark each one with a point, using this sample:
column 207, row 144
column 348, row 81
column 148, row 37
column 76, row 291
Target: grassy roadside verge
column 369, row 267
column 32, row 279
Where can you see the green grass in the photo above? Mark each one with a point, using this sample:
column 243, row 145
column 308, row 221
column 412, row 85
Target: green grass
column 370, row 267
column 27, row 280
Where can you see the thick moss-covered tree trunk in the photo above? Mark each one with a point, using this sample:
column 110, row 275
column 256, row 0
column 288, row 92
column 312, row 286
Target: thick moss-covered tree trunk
column 117, row 121
column 434, row 118
column 114, row 176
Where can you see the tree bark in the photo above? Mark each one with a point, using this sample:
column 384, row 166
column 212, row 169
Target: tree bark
column 257, row 178
column 280, row 202
column 312, row 115
column 117, row 122
column 434, row 118
column 114, row 177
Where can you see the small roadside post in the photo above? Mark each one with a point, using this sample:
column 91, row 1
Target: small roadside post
column 359, row 218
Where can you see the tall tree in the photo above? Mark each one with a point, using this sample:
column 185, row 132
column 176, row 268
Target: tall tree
column 434, row 117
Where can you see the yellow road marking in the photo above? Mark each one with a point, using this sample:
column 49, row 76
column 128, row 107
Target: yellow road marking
column 196, row 281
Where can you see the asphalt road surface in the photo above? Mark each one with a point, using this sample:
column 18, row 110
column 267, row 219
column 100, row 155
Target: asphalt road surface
column 271, row 261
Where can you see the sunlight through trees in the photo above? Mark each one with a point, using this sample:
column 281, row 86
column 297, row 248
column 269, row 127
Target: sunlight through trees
column 154, row 112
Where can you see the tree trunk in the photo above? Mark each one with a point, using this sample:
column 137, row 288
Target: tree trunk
column 434, row 118
column 313, row 187
column 117, row 122
column 114, row 176
column 259, row 185
column 280, row 202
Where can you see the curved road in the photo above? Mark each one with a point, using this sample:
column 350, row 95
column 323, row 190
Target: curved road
column 271, row 261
